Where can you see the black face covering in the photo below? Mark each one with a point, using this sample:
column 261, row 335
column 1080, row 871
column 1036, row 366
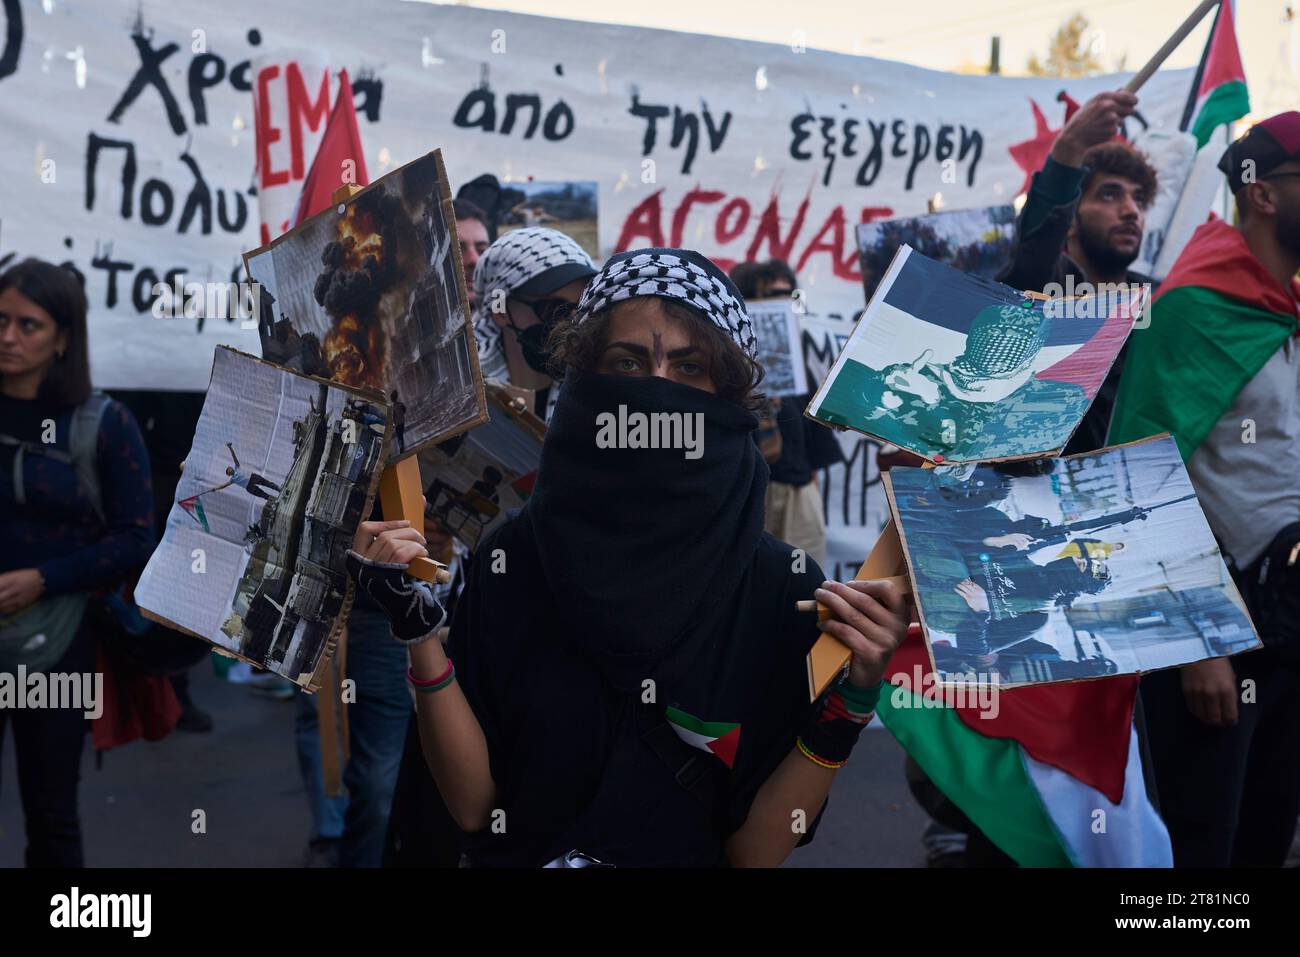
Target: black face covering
column 640, row 546
column 630, row 564
column 532, row 341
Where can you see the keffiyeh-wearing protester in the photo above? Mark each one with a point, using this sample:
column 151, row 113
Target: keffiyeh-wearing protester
column 525, row 282
column 629, row 682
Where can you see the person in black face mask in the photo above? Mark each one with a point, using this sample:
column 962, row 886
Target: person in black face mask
column 629, row 682
column 525, row 283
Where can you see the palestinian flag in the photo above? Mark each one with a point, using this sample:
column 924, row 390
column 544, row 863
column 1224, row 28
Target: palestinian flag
column 720, row 737
column 1054, row 779
column 1219, row 90
column 194, row 508
column 523, row 485
column 1216, row 320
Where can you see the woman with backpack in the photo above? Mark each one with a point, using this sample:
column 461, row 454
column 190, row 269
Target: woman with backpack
column 76, row 515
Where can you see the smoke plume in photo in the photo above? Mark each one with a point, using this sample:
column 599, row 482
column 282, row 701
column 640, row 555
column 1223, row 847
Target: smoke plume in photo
column 364, row 286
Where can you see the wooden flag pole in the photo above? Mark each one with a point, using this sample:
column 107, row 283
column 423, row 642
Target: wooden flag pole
column 1175, row 38
column 401, row 494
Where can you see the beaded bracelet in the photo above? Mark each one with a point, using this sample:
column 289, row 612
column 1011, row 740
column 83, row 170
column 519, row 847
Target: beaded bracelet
column 818, row 759
column 437, row 684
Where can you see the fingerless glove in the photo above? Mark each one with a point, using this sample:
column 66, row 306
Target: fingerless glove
column 413, row 611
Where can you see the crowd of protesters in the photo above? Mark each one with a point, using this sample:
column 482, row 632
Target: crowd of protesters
column 631, row 690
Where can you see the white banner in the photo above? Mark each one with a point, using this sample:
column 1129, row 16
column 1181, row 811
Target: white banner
column 128, row 129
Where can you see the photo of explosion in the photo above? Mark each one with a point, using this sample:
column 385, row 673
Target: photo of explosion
column 360, row 265
column 370, row 294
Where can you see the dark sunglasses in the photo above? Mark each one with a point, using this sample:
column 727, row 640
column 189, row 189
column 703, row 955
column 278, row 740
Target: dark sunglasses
column 551, row 310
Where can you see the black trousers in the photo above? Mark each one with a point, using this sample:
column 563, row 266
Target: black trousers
column 421, row 831
column 47, row 748
column 1229, row 796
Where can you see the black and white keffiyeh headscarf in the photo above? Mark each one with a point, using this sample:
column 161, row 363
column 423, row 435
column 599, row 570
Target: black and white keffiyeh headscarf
column 515, row 258
column 682, row 275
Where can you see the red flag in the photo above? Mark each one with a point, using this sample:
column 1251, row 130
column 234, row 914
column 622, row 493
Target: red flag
column 1071, row 104
column 340, row 158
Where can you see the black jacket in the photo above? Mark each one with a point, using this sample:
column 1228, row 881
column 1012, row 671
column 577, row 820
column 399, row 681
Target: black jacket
column 807, row 447
column 1038, row 258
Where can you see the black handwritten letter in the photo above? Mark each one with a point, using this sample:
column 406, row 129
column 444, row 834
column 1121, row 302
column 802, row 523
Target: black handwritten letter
column 13, row 37
column 201, row 79
column 94, row 144
column 149, row 74
column 651, row 114
column 513, row 103
column 487, row 118
column 686, row 125
column 558, row 113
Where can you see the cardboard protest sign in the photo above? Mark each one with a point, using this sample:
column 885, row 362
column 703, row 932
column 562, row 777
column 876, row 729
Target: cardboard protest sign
column 282, row 471
column 475, row 479
column 1066, row 568
column 370, row 293
column 976, row 241
column 958, row 369
column 780, row 346
column 569, row 207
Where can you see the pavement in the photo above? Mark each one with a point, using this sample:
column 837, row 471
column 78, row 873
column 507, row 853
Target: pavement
column 138, row 808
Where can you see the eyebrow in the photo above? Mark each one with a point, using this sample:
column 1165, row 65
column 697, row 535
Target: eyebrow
column 1120, row 182
column 637, row 349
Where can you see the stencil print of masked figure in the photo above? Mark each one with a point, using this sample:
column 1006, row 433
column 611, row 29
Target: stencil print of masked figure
column 986, row 403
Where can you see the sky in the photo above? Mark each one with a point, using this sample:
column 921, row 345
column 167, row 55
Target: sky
column 944, row 34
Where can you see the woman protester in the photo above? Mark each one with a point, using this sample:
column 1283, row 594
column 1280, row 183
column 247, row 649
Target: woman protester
column 76, row 515
column 629, row 684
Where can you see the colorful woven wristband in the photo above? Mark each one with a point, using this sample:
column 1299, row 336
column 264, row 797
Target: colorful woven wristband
column 860, row 699
column 437, row 684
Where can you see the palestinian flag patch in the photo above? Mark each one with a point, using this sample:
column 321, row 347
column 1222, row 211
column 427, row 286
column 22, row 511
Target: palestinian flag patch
column 720, row 737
